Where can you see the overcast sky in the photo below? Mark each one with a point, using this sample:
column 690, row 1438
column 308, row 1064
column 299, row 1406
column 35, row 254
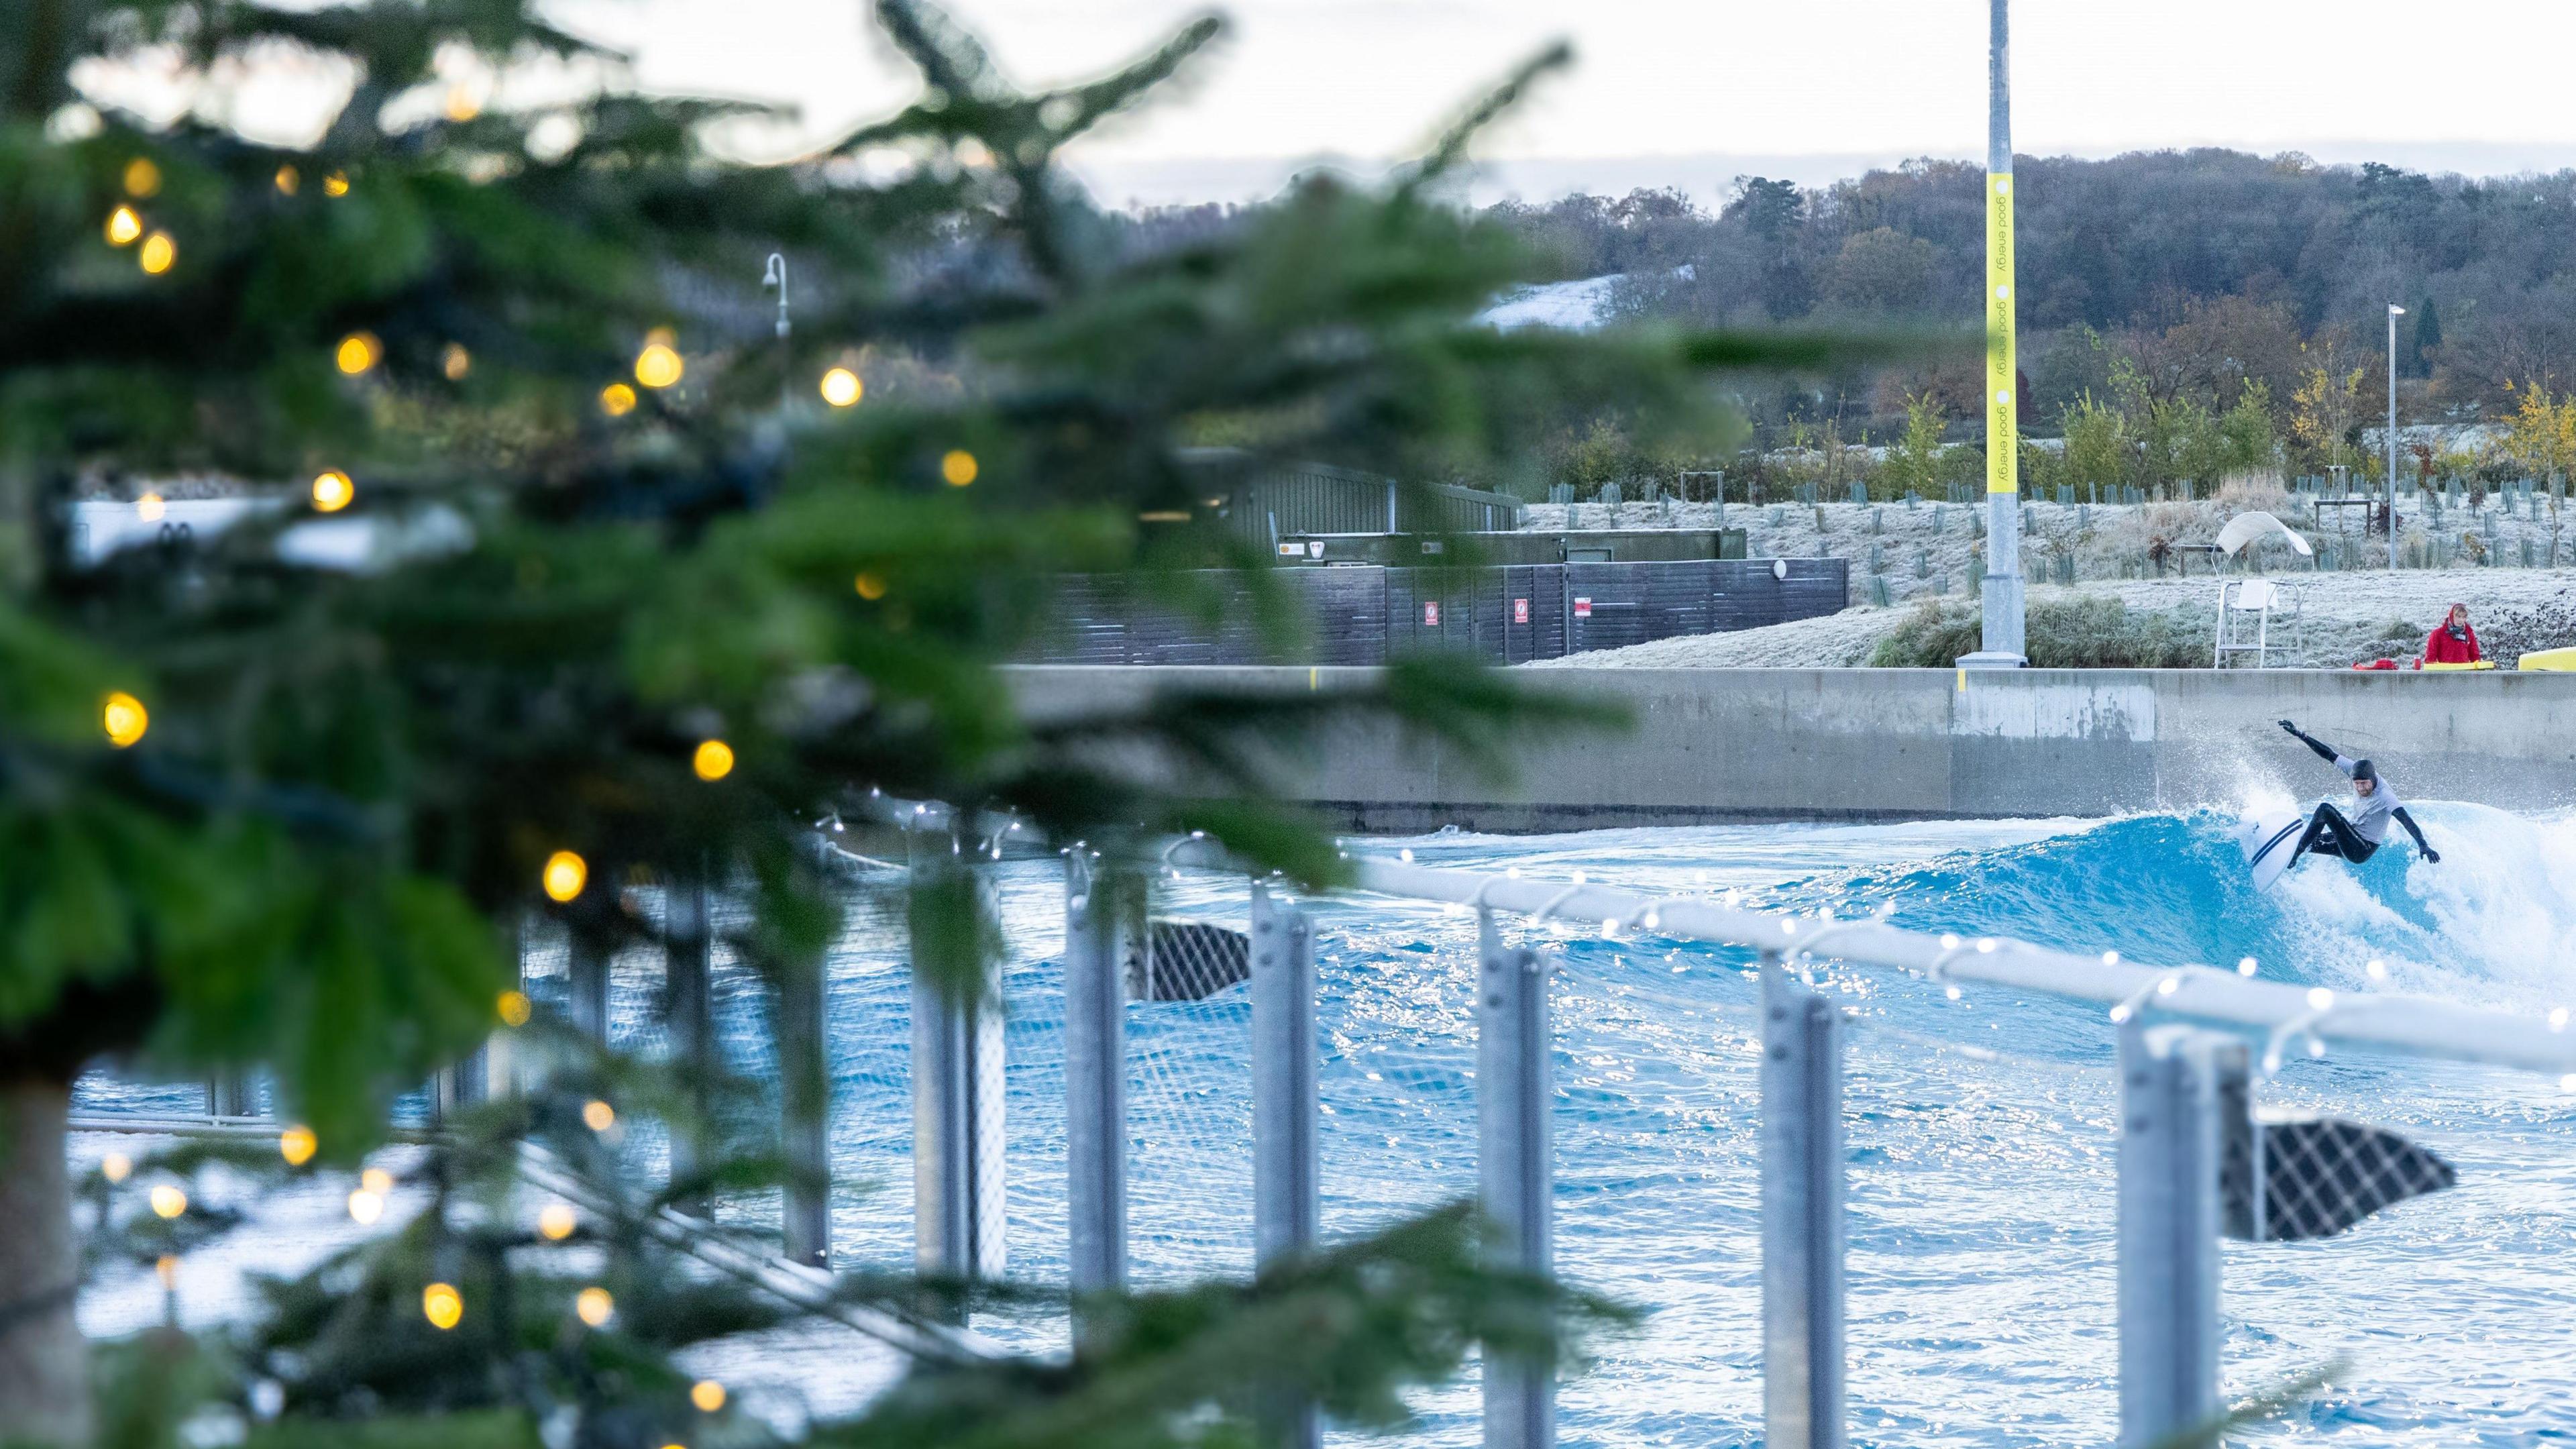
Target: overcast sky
column 2475, row 85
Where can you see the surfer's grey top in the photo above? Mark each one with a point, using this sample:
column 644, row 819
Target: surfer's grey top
column 2370, row 812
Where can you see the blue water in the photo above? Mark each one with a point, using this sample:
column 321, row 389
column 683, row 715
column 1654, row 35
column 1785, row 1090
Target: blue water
column 1980, row 1147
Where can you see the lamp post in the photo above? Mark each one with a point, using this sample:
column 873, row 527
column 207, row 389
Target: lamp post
column 2394, row 312
column 2001, row 645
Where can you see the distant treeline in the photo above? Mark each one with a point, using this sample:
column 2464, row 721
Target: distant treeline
column 2205, row 268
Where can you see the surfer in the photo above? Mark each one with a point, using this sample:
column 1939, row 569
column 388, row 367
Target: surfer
column 2329, row 833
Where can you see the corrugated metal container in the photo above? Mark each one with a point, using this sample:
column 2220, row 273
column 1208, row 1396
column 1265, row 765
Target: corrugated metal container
column 1266, row 501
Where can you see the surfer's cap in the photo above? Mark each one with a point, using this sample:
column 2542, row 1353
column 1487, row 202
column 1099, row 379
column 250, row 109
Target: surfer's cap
column 2361, row 770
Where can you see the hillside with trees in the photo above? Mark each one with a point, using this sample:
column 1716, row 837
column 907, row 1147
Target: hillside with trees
column 2183, row 312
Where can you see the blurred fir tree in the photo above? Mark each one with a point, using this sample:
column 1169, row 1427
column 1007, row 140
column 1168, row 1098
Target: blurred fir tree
column 276, row 799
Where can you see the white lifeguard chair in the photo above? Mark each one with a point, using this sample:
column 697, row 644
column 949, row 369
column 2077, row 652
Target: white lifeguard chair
column 2244, row 603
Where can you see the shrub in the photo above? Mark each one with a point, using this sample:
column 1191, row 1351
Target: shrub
column 2058, row 634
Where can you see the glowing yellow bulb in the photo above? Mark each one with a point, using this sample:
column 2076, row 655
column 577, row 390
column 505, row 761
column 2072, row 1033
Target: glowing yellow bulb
column 442, row 1305
column 841, row 387
column 597, row 1115
column 116, row 1167
column 556, row 1221
column 564, row 876
column 515, row 1008
column 365, row 1207
column 357, row 352
column 123, row 226
column 376, row 1180
column 124, row 718
column 713, row 761
column 288, row 178
column 617, row 399
column 456, row 362
column 336, row 184
column 142, row 178
column 958, row 468
column 658, row 365
column 594, row 1305
column 297, row 1144
column 461, row 105
column 158, row 254
column 168, row 1201
column 332, row 491
column 149, row 508
column 708, row 1395
column 872, row 586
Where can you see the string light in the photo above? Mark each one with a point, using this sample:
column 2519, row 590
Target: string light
column 332, row 491
column 123, row 226
column 297, row 1145
column 461, row 105
column 365, row 1207
column 617, row 399
column 515, row 1008
column 159, row 253
column 958, row 467
column 597, row 1115
column 168, row 1201
column 116, row 1167
column 288, row 178
column 357, row 352
column 707, row 1395
column 872, row 586
column 659, row 364
column 336, row 184
column 377, row 1181
column 149, row 508
column 564, row 876
column 456, row 362
column 142, row 178
column 713, row 760
column 124, row 718
column 594, row 1305
column 842, row 388
column 555, row 1221
column 442, row 1305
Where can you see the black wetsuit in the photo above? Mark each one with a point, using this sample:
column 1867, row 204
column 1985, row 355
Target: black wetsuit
column 2329, row 833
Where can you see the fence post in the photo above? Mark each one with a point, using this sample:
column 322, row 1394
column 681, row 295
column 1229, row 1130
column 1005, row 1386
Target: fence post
column 1513, row 1158
column 2169, row 1222
column 1285, row 1188
column 957, row 1087
column 1287, row 1198
column 689, row 1010
column 1802, row 1214
column 1096, row 936
column 586, row 974
column 805, row 1088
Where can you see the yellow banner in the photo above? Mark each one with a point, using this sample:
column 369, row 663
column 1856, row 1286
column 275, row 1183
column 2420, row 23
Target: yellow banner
column 2003, row 393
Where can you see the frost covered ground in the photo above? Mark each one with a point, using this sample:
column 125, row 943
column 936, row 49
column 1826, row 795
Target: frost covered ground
column 1928, row 553
column 2348, row 617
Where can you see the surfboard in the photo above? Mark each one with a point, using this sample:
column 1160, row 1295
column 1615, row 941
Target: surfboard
column 2269, row 837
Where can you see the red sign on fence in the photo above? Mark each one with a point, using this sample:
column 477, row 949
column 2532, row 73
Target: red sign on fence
column 1430, row 615
column 1583, row 608
column 1520, row 611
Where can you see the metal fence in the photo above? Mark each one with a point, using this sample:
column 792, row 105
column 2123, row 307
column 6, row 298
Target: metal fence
column 1190, row 1075
column 1509, row 614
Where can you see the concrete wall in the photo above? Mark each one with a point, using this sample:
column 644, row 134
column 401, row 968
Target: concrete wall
column 1858, row 744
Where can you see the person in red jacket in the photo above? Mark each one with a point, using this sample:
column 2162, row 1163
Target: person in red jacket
column 2454, row 642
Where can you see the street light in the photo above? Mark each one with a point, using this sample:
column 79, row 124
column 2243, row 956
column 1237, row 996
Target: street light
column 2394, row 312
column 2001, row 644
